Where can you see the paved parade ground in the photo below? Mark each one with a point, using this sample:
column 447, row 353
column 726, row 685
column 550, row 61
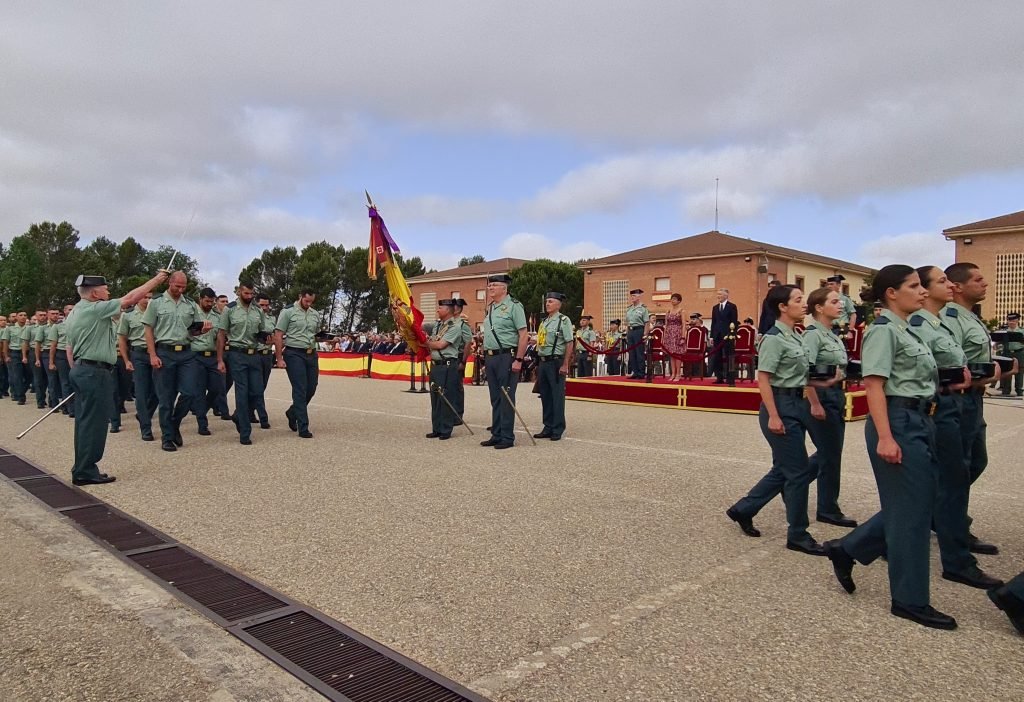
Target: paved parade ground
column 600, row 567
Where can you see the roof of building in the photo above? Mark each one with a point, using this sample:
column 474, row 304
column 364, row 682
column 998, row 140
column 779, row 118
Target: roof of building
column 1007, row 221
column 474, row 270
column 714, row 243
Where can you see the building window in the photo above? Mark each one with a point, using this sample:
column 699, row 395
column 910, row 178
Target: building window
column 481, row 294
column 614, row 299
column 456, row 295
column 662, row 284
column 799, row 282
column 706, row 281
column 1009, row 284
column 428, row 304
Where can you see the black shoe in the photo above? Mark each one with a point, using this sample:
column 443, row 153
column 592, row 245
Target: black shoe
column 1009, row 603
column 245, row 442
column 178, row 441
column 807, row 545
column 101, row 479
column 253, row 419
column 115, row 430
column 925, row 616
column 147, row 436
column 305, row 435
column 457, row 422
column 264, row 425
column 293, row 423
column 976, row 545
column 842, row 564
column 543, row 435
column 227, row 418
column 556, row 438
column 840, row 520
column 168, row 445
column 504, row 445
column 490, row 428
column 203, row 431
column 21, row 402
column 974, row 577
column 746, row 523
column 432, row 435
column 489, row 442
column 444, row 437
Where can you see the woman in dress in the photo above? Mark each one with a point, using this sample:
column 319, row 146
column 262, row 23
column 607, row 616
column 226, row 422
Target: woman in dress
column 673, row 341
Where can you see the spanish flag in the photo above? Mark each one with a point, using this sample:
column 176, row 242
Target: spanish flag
column 408, row 319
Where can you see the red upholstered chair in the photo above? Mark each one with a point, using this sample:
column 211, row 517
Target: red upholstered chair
column 746, row 351
column 658, row 354
column 696, row 350
column 853, row 343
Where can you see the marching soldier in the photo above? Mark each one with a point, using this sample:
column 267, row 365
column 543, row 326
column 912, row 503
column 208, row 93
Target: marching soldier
column 1013, row 349
column 554, row 349
column 4, row 340
column 587, row 335
column 638, row 321
column 41, row 359
column 131, row 342
column 848, row 316
column 445, row 344
column 613, row 339
column 90, row 335
column 236, row 339
column 467, row 349
column 295, row 344
column 265, row 350
column 50, row 351
column 18, row 357
column 504, row 341
column 63, row 364
column 210, row 386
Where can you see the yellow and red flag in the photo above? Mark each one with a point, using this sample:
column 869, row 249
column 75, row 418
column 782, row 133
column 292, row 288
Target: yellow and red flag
column 408, row 319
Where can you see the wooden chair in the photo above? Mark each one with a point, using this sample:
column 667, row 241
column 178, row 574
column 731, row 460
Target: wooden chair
column 695, row 352
column 745, row 349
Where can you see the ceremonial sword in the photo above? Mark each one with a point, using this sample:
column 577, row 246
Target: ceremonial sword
column 440, row 392
column 40, row 420
column 516, row 410
column 182, row 237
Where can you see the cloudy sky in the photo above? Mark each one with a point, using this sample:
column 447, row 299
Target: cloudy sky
column 566, row 129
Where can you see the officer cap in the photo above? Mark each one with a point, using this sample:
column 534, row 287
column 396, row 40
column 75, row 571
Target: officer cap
column 695, row 315
column 460, row 302
column 638, row 291
column 586, row 316
column 616, row 322
column 554, row 296
column 1013, row 316
column 499, row 278
column 90, row 281
column 446, row 303
column 837, row 278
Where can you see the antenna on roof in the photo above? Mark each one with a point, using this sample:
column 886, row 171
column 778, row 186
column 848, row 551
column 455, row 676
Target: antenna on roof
column 716, row 204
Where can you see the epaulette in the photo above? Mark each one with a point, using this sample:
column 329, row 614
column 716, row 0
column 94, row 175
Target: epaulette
column 916, row 321
column 773, row 331
column 810, row 327
column 880, row 320
column 952, row 312
column 233, row 303
column 288, row 306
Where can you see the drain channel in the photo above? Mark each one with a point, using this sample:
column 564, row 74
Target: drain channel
column 335, row 660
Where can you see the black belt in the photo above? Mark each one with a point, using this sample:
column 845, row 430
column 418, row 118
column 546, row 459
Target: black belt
column 793, row 392
column 445, row 362
column 140, row 349
column 296, row 349
column 207, row 354
column 947, row 391
column 239, row 349
column 923, row 405
column 177, row 348
column 98, row 364
column 496, row 352
column 545, row 359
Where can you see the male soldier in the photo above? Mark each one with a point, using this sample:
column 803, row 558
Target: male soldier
column 969, row 289
column 265, row 351
column 210, row 386
column 131, row 344
column 554, row 349
column 505, row 337
column 17, row 357
column 445, row 344
column 90, row 336
column 613, row 344
column 848, row 315
column 1015, row 350
column 222, row 304
column 236, row 335
column 40, row 358
column 50, row 357
column 295, row 344
column 459, row 400
column 587, row 335
column 4, row 339
column 167, row 322
column 638, row 321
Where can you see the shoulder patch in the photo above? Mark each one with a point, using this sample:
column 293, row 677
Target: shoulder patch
column 233, row 304
column 880, row 320
column 810, row 327
column 772, row 332
column 916, row 321
column 952, row 312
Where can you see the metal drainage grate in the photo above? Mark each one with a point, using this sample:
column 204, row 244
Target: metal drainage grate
column 122, row 533
column 14, row 468
column 55, row 493
column 359, row 672
column 227, row 596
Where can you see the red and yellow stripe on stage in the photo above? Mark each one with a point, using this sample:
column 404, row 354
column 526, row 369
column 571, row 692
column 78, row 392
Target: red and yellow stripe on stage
column 382, row 367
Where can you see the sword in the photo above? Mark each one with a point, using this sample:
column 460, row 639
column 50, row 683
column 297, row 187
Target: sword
column 440, row 391
column 40, row 420
column 182, row 237
column 516, row 410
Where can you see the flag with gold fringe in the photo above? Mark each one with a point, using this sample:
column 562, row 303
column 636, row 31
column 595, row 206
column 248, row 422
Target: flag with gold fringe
column 408, row 319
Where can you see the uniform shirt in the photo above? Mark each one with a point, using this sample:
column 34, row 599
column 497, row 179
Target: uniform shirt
column 968, row 331
column 5, row 334
column 930, row 331
column 1013, row 346
column 267, row 326
column 91, row 330
column 448, row 331
column 467, row 333
column 554, row 335
column 240, row 324
column 57, row 332
column 207, row 341
column 170, row 320
column 847, row 309
column 503, row 319
column 588, row 336
column 823, row 346
column 299, row 326
column 132, row 328
column 891, row 352
column 18, row 335
column 40, row 335
column 611, row 339
column 782, row 354
column 637, row 315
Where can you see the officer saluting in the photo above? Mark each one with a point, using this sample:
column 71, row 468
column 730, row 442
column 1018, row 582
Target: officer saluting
column 554, row 349
column 638, row 320
column 90, row 335
column 445, row 344
column 504, row 337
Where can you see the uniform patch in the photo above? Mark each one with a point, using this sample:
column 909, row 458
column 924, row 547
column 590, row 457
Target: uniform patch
column 881, row 320
column 916, row 321
column 952, row 312
column 773, row 331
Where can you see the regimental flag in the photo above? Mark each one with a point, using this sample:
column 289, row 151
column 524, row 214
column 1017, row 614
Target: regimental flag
column 408, row 319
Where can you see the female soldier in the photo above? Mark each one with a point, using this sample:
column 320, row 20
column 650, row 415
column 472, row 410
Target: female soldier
column 781, row 377
column 900, row 377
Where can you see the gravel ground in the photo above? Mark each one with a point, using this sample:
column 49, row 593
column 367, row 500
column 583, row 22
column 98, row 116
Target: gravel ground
column 601, row 567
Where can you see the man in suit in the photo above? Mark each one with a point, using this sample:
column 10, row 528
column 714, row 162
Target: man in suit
column 722, row 315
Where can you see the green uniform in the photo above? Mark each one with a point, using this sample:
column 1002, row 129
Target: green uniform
column 445, row 376
column 973, row 337
column 211, row 393
column 301, row 360
column 637, row 317
column 265, row 352
column 783, row 355
column 170, row 319
column 1013, row 349
column 177, row 380
column 828, row 434
column 553, row 339
column 902, row 529
column 502, row 323
column 848, row 309
column 613, row 342
column 40, row 372
column 5, row 380
column 584, row 358
column 240, row 324
column 134, row 332
column 132, row 329
column 20, row 373
column 460, row 397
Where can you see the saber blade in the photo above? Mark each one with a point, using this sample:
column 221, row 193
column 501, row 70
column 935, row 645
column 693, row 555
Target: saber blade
column 515, row 409
column 440, row 392
column 40, row 420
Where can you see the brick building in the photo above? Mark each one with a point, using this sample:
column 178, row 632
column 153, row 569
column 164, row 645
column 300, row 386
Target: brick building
column 468, row 282
column 996, row 246
column 697, row 266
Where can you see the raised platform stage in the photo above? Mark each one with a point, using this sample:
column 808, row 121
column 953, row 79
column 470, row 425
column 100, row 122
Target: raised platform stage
column 691, row 394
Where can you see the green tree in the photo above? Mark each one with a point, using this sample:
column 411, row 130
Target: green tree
column 535, row 278
column 60, row 262
column 273, row 274
column 19, row 276
column 319, row 269
column 470, row 260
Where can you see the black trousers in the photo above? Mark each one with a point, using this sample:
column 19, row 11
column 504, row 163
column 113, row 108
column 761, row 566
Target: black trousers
column 637, row 356
column 303, row 373
column 444, row 378
column 503, row 417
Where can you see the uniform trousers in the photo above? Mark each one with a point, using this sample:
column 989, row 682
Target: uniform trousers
column 584, row 365
column 444, row 378
column 974, row 434
column 247, row 374
column 949, row 519
column 175, row 387
column 303, row 371
column 1017, row 379
column 503, row 417
column 551, row 386
column 637, row 356
column 828, row 436
column 907, row 491
column 613, row 363
column 209, row 384
column 94, row 395
column 4, row 380
column 790, row 473
column 266, row 366
column 18, row 376
column 52, row 378
column 64, row 378
column 145, row 390
column 38, row 377
column 459, row 399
